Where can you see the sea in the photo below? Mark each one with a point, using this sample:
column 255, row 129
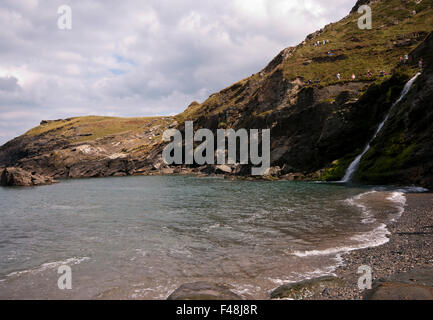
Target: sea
column 142, row 237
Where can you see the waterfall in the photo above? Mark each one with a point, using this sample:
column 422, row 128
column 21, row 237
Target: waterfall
column 354, row 165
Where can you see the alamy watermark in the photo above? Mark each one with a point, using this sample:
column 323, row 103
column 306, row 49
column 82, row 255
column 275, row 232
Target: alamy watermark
column 64, row 22
column 65, row 280
column 177, row 152
column 365, row 280
column 366, row 20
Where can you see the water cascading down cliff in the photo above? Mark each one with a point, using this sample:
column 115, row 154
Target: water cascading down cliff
column 351, row 170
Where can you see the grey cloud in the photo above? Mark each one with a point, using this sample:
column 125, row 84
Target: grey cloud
column 9, row 84
column 169, row 53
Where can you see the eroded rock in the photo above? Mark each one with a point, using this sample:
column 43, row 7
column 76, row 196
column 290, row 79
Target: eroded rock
column 203, row 291
column 399, row 291
column 307, row 288
column 416, row 284
column 273, row 171
column 19, row 177
column 223, row 169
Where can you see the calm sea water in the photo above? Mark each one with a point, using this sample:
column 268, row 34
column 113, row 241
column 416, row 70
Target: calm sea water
column 142, row 237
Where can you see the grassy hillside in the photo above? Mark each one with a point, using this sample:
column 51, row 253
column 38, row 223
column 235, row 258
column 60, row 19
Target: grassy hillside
column 403, row 151
column 396, row 31
column 361, row 50
column 93, row 127
column 317, row 128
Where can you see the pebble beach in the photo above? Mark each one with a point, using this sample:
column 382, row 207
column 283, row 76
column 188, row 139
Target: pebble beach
column 410, row 247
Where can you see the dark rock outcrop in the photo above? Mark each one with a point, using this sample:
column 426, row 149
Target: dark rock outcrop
column 306, row 289
column 360, row 3
column 416, row 284
column 317, row 127
column 21, row 178
column 203, row 291
column 399, row 291
column 223, row 169
column 403, row 151
column 330, row 58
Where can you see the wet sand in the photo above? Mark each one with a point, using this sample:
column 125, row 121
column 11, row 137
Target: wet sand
column 410, row 247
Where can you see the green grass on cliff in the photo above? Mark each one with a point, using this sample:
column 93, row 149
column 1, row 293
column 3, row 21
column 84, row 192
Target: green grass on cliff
column 338, row 168
column 93, row 127
column 382, row 162
column 365, row 50
column 375, row 50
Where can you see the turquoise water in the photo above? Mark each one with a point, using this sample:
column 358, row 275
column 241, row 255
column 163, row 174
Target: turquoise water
column 141, row 237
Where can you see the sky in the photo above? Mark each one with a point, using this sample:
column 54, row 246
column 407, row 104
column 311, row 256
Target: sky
column 139, row 57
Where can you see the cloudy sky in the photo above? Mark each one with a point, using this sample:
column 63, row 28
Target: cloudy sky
column 139, row 57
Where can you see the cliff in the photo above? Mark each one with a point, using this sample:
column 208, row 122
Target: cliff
column 403, row 152
column 318, row 123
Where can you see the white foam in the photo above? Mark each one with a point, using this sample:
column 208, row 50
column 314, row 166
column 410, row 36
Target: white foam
column 245, row 289
column 413, row 189
column 397, row 197
column 209, row 228
column 324, row 271
column 49, row 265
column 377, row 237
column 366, row 213
column 374, row 238
column 400, row 200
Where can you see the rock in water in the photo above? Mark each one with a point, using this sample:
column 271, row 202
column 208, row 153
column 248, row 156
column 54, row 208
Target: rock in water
column 203, row 291
column 223, row 169
column 273, row 171
column 21, row 178
column 413, row 285
column 307, row 288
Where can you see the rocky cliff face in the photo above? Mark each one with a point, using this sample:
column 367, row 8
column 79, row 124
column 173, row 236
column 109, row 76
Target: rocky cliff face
column 88, row 147
column 318, row 123
column 18, row 177
column 403, row 152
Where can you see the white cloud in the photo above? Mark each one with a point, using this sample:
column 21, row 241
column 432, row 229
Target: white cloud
column 138, row 58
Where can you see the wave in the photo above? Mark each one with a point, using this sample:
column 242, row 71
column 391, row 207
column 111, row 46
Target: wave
column 374, row 238
column 316, row 273
column 370, row 239
column 367, row 214
column 400, row 200
column 49, row 265
column 412, row 189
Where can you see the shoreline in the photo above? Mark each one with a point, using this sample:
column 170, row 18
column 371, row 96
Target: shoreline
column 410, row 247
